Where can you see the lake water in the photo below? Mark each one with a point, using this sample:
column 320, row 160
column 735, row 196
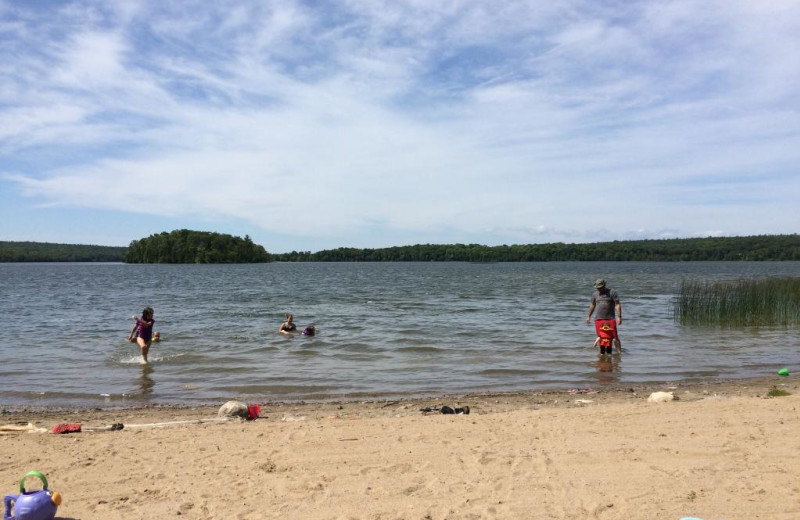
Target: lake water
column 384, row 330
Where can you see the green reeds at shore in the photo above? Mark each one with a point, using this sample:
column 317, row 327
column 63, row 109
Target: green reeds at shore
column 760, row 302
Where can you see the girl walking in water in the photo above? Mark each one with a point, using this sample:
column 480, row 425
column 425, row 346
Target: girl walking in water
column 143, row 331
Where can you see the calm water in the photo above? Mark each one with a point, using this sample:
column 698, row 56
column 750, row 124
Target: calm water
column 390, row 330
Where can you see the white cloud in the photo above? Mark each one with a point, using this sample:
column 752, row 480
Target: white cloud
column 506, row 122
column 93, row 60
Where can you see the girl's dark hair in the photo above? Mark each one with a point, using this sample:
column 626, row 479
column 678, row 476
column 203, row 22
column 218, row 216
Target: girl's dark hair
column 147, row 313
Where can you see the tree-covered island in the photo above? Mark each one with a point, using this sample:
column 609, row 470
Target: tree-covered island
column 195, row 247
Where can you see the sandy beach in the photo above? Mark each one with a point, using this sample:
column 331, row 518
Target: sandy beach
column 719, row 451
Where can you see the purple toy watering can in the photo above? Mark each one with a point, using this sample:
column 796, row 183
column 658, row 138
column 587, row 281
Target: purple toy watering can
column 32, row 505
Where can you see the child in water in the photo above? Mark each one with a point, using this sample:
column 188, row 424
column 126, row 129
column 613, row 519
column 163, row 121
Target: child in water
column 288, row 326
column 142, row 331
column 309, row 331
column 135, row 332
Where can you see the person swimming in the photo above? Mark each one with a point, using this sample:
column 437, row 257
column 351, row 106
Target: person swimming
column 309, row 331
column 288, row 326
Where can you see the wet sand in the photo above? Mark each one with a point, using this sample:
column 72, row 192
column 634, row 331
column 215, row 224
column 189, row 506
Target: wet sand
column 722, row 450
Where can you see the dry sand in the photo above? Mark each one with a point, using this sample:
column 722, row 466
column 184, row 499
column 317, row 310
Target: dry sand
column 721, row 451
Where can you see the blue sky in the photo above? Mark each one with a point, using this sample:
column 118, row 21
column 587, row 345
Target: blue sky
column 311, row 125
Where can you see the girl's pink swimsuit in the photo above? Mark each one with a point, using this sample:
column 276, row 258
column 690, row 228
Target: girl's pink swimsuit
column 145, row 330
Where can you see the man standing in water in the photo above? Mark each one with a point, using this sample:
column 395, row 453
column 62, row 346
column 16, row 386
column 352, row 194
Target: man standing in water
column 606, row 301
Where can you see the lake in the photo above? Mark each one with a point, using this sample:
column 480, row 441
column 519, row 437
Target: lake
column 385, row 330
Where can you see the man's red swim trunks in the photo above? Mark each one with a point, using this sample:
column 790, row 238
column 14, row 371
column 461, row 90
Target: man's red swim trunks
column 606, row 329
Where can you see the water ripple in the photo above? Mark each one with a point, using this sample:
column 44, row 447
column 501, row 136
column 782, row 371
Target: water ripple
column 383, row 330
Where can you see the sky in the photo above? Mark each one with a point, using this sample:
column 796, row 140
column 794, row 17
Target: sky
column 311, row 125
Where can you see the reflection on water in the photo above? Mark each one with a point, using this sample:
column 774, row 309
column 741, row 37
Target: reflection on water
column 608, row 367
column 146, row 382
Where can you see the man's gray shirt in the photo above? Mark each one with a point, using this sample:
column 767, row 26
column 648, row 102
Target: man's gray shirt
column 605, row 302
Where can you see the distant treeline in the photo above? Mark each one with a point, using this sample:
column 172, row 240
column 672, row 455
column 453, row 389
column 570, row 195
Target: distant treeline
column 47, row 252
column 762, row 247
column 195, row 247
column 200, row 247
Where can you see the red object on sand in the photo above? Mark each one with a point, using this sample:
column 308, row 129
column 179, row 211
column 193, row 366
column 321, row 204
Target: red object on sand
column 253, row 411
column 67, row 428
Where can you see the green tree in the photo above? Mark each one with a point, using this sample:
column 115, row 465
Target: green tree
column 183, row 246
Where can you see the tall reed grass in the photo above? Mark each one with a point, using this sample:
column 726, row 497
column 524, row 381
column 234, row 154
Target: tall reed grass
column 739, row 303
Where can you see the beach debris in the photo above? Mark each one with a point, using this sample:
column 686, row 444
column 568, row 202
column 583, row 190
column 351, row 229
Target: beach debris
column 59, row 428
column 147, row 426
column 586, row 390
column 110, row 428
column 777, row 392
column 253, row 412
column 660, row 397
column 783, row 372
column 16, row 428
column 293, row 418
column 583, row 401
column 67, row 428
column 233, row 409
column 77, row 428
column 462, row 410
column 32, row 505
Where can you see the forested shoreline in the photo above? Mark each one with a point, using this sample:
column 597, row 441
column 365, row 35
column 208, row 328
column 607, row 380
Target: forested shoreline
column 761, row 247
column 51, row 252
column 192, row 247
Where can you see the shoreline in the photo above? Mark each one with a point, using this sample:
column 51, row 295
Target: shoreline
column 500, row 401
column 721, row 450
